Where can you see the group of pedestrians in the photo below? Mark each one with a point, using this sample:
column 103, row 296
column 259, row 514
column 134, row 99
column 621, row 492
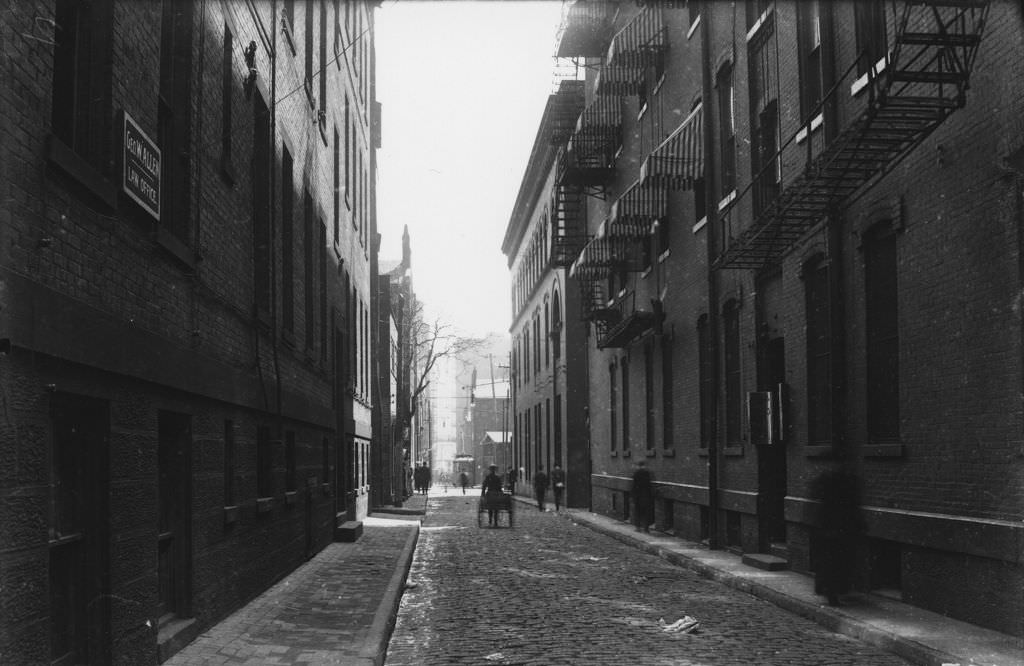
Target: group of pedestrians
column 421, row 479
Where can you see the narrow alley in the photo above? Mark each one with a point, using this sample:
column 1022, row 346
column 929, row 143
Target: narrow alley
column 549, row 591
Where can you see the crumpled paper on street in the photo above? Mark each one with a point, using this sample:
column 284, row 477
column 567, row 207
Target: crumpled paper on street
column 684, row 625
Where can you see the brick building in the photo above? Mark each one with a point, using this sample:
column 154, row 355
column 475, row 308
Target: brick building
column 185, row 270
column 549, row 354
column 803, row 250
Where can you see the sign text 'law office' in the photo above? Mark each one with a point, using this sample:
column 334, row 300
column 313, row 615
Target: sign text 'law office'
column 140, row 177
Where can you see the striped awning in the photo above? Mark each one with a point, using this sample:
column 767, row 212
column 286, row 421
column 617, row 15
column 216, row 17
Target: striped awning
column 598, row 258
column 585, row 30
column 641, row 41
column 678, row 161
column 618, row 81
column 635, row 212
column 600, row 115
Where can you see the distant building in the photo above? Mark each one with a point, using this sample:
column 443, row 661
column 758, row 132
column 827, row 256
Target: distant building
column 186, row 246
column 801, row 244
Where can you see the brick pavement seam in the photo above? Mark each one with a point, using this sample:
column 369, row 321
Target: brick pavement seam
column 831, row 619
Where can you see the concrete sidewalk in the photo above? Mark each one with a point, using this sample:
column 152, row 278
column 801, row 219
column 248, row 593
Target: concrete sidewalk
column 917, row 635
column 338, row 608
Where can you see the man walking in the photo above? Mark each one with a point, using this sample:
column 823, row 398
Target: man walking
column 540, row 486
column 558, row 485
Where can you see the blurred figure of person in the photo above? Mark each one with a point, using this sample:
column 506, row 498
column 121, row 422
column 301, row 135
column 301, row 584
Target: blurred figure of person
column 642, row 494
column 841, row 528
column 464, row 482
column 417, row 478
column 510, row 478
column 490, row 490
column 428, row 479
column 558, row 485
column 540, row 486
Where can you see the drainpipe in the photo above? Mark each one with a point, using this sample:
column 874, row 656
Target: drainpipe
column 710, row 229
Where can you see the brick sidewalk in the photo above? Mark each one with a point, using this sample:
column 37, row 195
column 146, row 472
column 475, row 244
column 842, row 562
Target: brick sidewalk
column 328, row 611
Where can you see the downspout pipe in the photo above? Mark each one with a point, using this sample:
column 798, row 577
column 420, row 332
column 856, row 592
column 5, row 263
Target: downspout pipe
column 711, row 228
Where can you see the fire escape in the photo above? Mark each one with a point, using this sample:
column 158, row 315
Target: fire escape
column 922, row 81
column 568, row 212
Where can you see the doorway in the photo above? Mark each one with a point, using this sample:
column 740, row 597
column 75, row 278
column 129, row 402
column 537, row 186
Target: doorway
column 79, row 579
column 772, row 476
column 174, row 563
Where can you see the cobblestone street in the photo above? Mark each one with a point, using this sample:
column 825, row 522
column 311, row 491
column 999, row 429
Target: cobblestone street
column 551, row 592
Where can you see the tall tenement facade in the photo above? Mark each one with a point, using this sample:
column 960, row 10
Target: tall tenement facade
column 186, row 240
column 798, row 246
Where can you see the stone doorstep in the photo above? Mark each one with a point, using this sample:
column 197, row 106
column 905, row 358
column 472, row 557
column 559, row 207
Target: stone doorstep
column 349, row 531
column 765, row 561
column 174, row 635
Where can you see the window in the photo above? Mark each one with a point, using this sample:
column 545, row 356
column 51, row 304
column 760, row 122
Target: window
column 733, row 394
column 229, row 463
column 649, row 410
column 667, row 393
column 287, row 243
column 693, row 9
column 881, row 319
column 81, row 98
column 308, row 268
column 556, row 326
column 624, row 367
column 707, row 381
column 726, row 130
column 337, row 186
column 261, row 205
column 764, row 93
column 322, row 254
column 323, row 63
column 227, row 88
column 348, row 151
column 547, row 335
column 613, row 406
column 869, row 26
column 819, row 351
column 289, row 460
column 264, row 463
column 308, row 52
column 813, row 65
column 558, row 427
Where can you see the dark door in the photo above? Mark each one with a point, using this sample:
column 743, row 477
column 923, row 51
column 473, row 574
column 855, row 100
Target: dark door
column 174, row 562
column 79, row 531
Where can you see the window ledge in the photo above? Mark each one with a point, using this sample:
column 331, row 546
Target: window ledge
column 889, row 450
column 291, row 497
column 325, row 488
column 801, row 136
column 615, row 454
column 704, row 452
column 264, row 504
column 733, row 450
column 230, row 515
column 819, row 450
column 759, row 24
column 701, row 223
column 726, row 200
column 693, row 27
column 668, row 453
column 858, row 86
column 646, row 272
column 71, row 163
column 650, row 453
column 176, row 248
column 664, row 255
column 627, row 453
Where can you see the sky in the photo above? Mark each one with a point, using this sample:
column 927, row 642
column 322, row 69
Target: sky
column 463, row 85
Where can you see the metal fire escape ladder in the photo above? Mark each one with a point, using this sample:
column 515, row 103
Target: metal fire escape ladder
column 569, row 231
column 925, row 80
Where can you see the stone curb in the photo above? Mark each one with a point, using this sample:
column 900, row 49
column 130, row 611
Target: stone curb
column 379, row 635
column 830, row 618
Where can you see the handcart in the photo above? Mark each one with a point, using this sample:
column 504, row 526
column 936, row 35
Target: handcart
column 503, row 504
